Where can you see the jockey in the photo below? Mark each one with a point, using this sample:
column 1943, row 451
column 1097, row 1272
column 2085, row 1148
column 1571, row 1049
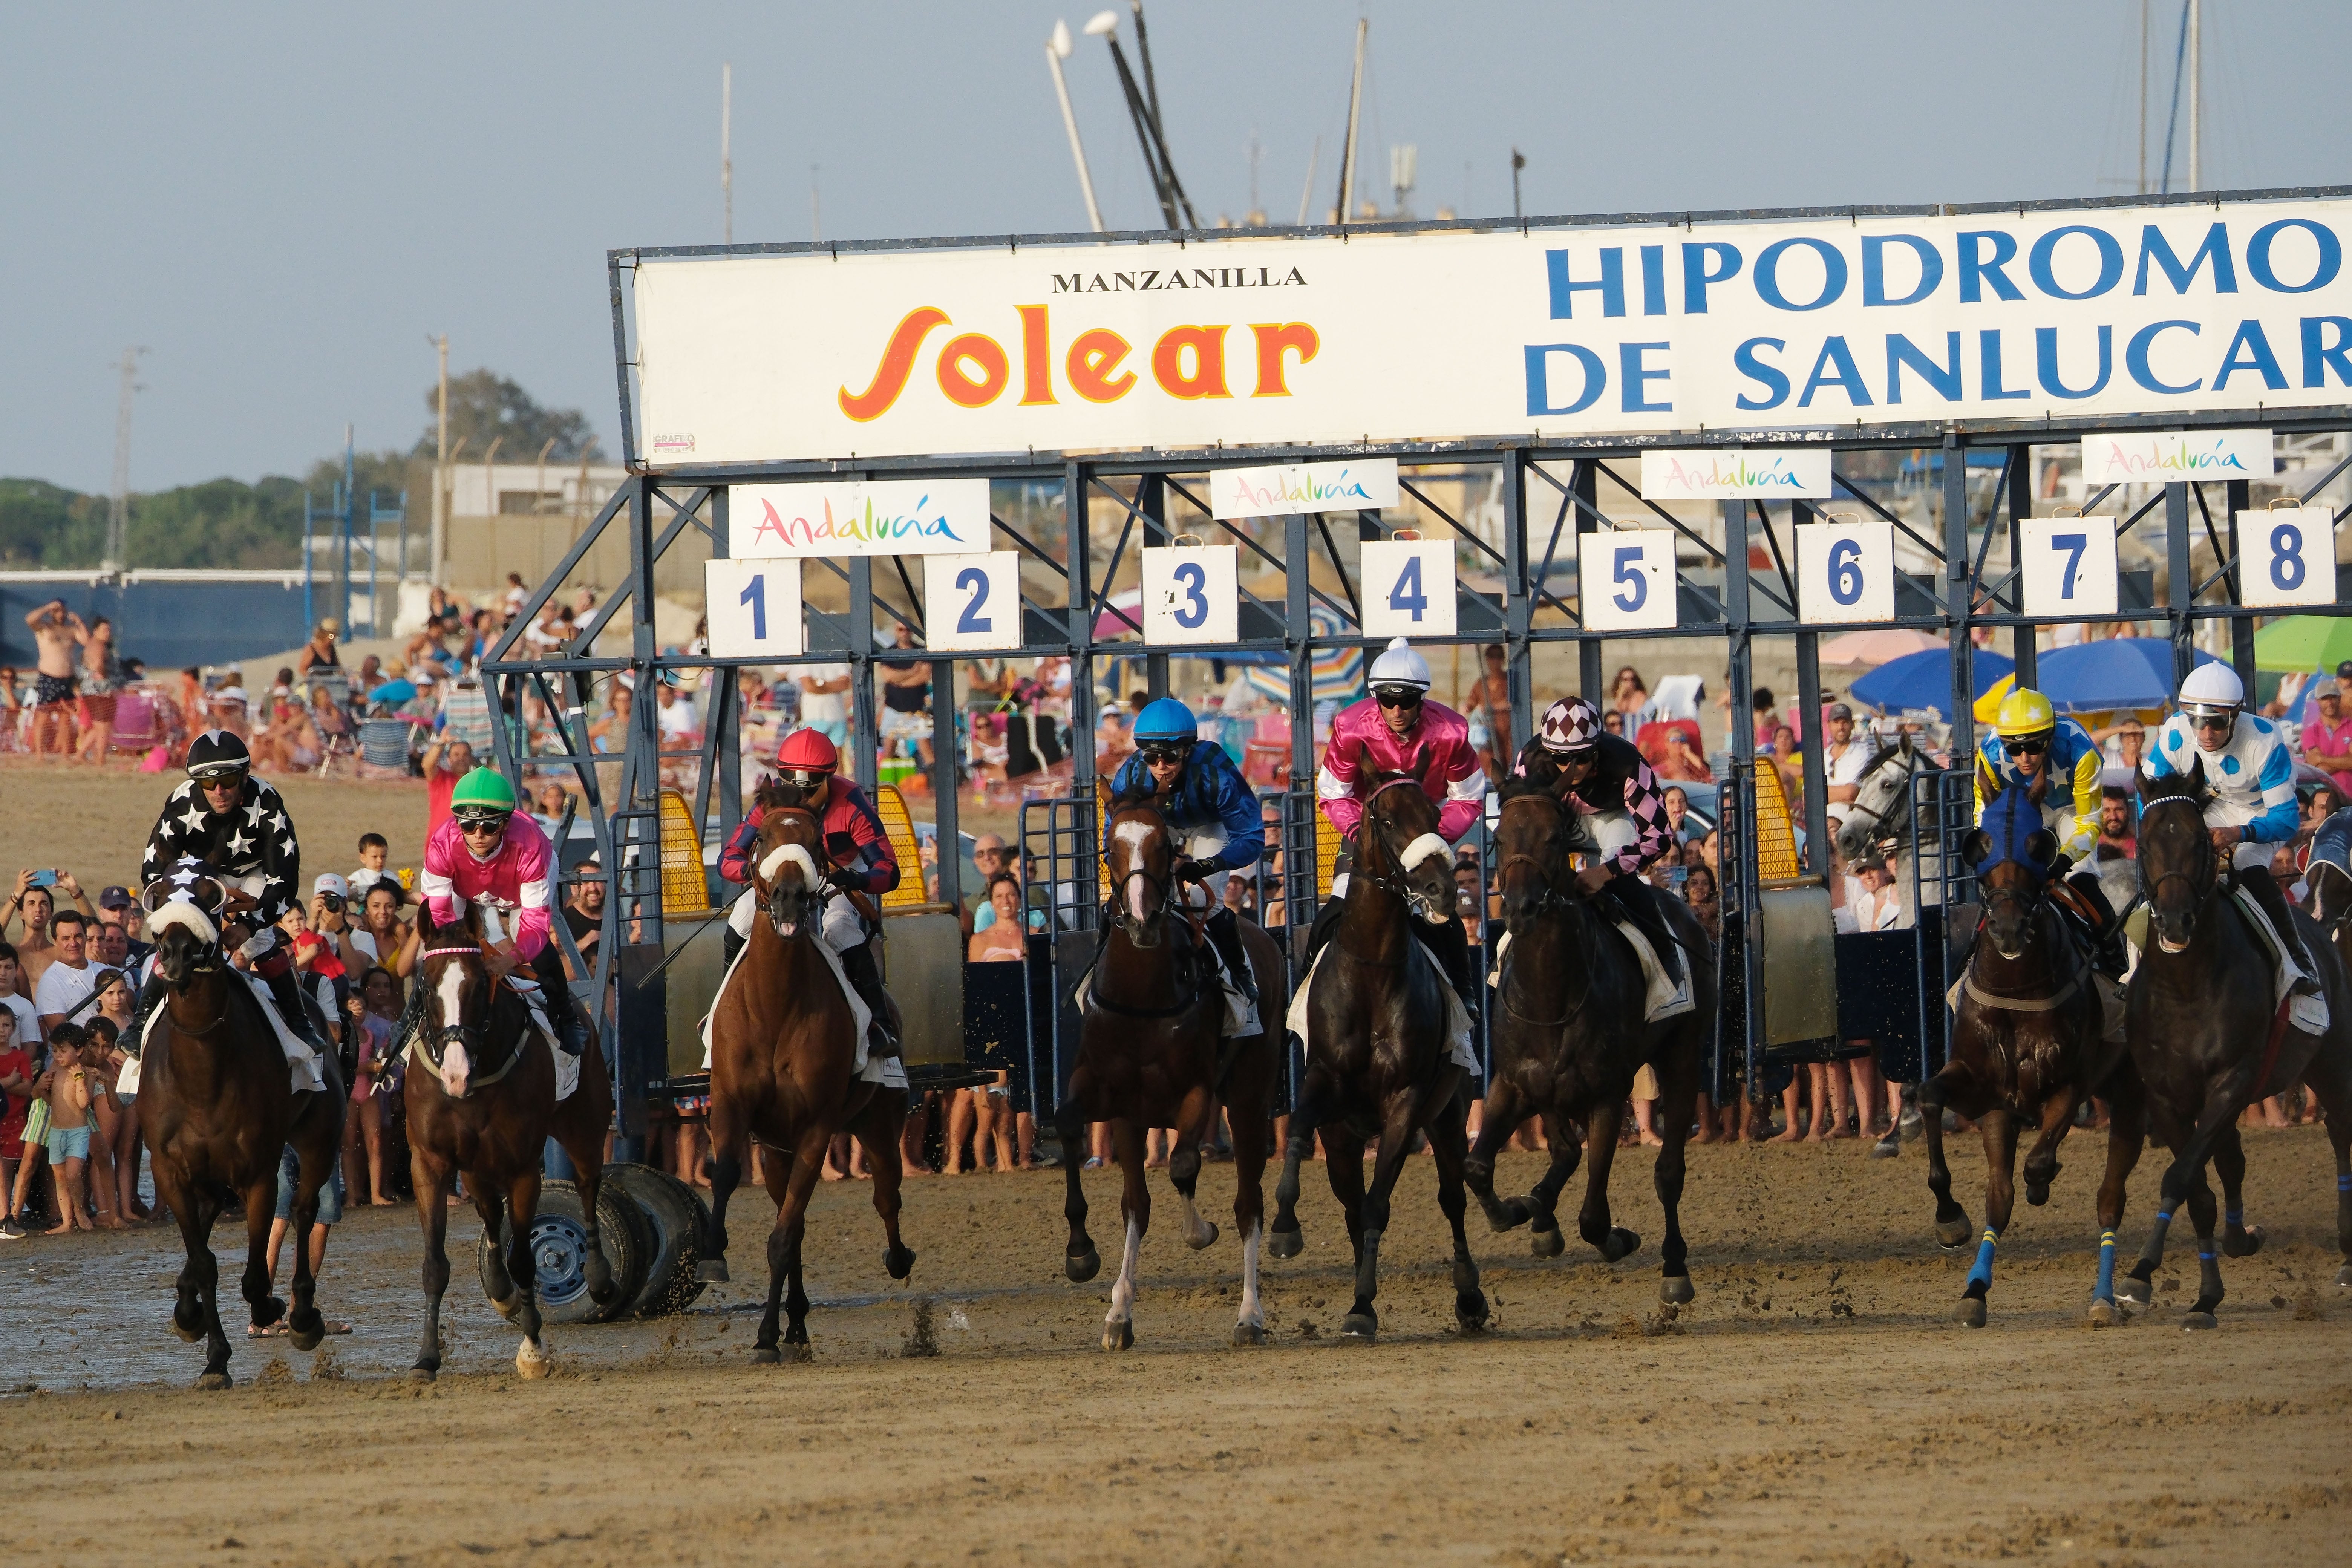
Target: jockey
column 1605, row 780
column 1212, row 814
column 485, row 853
column 1396, row 732
column 2032, row 749
column 237, row 826
column 858, row 859
column 2252, row 776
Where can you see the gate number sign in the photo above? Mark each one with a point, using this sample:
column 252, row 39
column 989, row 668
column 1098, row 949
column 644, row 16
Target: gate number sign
column 972, row 601
column 1192, row 594
column 1408, row 587
column 2286, row 556
column 1628, row 579
column 2066, row 565
column 1845, row 572
column 754, row 608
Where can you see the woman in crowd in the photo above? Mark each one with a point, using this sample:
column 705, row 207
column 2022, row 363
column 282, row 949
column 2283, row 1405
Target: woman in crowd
column 374, row 1008
column 983, row 1113
column 381, row 938
column 114, row 1005
column 101, row 682
column 1628, row 695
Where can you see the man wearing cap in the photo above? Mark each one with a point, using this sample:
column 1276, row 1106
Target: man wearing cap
column 487, row 853
column 1212, row 814
column 1845, row 759
column 1398, row 732
column 1604, row 780
column 116, row 905
column 2327, row 732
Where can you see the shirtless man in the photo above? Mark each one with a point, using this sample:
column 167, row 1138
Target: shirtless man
column 59, row 632
column 37, row 949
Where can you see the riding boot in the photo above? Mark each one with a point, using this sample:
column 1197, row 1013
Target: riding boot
column 1638, row 901
column 2257, row 880
column 287, row 992
column 730, row 944
column 1225, row 933
column 1327, row 921
column 562, row 1011
column 865, row 978
column 150, row 996
column 1449, row 944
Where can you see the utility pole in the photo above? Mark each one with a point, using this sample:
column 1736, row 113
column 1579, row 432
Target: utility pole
column 1314, row 155
column 816, row 206
column 118, row 516
column 440, row 542
column 1057, row 49
column 1355, row 111
column 726, row 150
column 1518, row 162
column 2143, row 97
column 2196, row 80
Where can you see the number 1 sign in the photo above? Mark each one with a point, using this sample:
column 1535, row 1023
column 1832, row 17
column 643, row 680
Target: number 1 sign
column 1628, row 579
column 1408, row 587
column 2066, row 565
column 972, row 602
column 753, row 607
column 1845, row 570
column 2286, row 556
column 1192, row 594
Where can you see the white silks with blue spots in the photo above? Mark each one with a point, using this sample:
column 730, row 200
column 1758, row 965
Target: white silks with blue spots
column 2252, row 777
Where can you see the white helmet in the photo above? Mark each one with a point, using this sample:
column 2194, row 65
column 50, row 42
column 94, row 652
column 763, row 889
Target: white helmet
column 2212, row 689
column 1400, row 665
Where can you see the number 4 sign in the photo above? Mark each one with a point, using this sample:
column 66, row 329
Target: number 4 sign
column 1629, row 579
column 2286, row 556
column 1192, row 594
column 2066, row 565
column 972, row 602
column 1845, row 570
column 1408, row 588
column 754, row 608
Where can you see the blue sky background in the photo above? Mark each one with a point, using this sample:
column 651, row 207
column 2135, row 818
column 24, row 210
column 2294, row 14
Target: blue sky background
column 281, row 201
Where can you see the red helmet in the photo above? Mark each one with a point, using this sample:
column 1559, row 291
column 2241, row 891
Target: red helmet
column 807, row 757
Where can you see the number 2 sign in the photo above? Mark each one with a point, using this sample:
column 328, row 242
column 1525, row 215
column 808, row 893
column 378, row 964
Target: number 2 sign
column 2066, row 565
column 1408, row 587
column 1845, row 570
column 1192, row 594
column 972, row 602
column 1629, row 579
column 2286, row 556
column 754, row 608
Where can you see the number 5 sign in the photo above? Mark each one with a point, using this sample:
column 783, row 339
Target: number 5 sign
column 1845, row 570
column 1629, row 579
column 2066, row 565
column 1192, row 594
column 972, row 601
column 754, row 608
column 1408, row 588
column 2286, row 556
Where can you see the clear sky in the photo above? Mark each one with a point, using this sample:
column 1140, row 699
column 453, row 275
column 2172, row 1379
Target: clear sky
column 280, row 201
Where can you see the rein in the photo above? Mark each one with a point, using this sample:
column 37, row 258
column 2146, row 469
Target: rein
column 426, row 1046
column 1549, row 902
column 1117, row 917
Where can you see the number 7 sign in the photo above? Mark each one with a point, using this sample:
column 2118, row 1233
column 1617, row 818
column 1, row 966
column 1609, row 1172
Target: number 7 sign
column 2066, row 565
column 1628, row 579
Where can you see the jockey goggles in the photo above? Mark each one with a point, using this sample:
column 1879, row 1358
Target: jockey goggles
column 1162, row 751
column 806, row 778
column 471, row 819
column 226, row 773
column 2029, row 745
column 1397, row 696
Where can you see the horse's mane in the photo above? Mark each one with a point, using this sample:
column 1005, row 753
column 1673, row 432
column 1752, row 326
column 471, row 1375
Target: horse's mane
column 1518, row 786
column 2173, row 787
column 1879, row 759
column 1133, row 796
column 770, row 795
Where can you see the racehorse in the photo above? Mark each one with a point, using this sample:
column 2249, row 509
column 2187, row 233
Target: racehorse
column 783, row 1045
column 1880, row 819
column 486, row 1105
column 2210, row 1036
column 1569, row 1039
column 1377, row 1062
column 2027, row 1044
column 217, row 1110
column 1148, row 1056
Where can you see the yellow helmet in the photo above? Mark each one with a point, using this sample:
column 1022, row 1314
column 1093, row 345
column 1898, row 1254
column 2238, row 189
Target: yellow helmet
column 2025, row 712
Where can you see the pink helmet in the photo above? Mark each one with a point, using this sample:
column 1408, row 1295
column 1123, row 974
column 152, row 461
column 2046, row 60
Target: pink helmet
column 1571, row 724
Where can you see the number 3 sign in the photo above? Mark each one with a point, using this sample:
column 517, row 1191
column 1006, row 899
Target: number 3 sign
column 754, row 608
column 1408, row 588
column 1628, row 579
column 972, row 601
column 1845, row 570
column 2286, row 556
column 1192, row 594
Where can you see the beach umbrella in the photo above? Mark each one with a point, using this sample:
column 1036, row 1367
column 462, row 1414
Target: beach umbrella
column 2304, row 642
column 1338, row 672
column 1878, row 646
column 393, row 692
column 1924, row 679
column 2109, row 674
column 1109, row 623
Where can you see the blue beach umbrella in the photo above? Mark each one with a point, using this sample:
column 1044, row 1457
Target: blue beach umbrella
column 1924, row 679
column 2114, row 673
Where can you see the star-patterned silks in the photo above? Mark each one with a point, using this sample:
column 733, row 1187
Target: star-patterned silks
column 254, row 838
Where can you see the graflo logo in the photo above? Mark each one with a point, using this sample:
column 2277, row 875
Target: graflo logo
column 1733, row 474
column 870, row 525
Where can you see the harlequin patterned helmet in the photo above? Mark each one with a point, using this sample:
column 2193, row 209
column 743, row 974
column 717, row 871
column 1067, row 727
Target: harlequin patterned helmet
column 1571, row 724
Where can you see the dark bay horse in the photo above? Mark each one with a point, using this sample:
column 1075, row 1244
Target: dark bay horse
column 2208, row 1037
column 783, row 1044
column 2027, row 1047
column 1377, row 1063
column 1150, row 1055
column 216, row 1112
column 1569, row 1039
column 484, row 1103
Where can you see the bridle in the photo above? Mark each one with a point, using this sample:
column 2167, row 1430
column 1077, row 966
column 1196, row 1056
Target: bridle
column 771, row 900
column 1903, row 768
column 1418, row 905
column 1143, row 936
column 1550, row 901
column 475, row 1038
column 2204, row 882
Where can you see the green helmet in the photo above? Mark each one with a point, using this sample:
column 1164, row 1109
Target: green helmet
column 482, row 795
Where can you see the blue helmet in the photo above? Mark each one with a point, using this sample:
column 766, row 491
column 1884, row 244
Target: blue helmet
column 1168, row 721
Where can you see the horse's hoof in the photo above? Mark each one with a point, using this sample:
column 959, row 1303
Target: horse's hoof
column 2242, row 1244
column 190, row 1336
column 2131, row 1292
column 2197, row 1321
column 270, row 1311
column 1470, row 1313
column 2344, row 1278
column 1206, row 1239
column 1291, row 1243
column 1952, row 1235
column 422, row 1373
column 1971, row 1312
column 765, row 1356
column 1118, row 1336
column 213, row 1382
column 528, row 1364
column 1886, row 1148
column 1246, row 1334
column 710, row 1271
column 2106, row 1314
column 306, row 1340
column 1619, row 1243
column 898, row 1261
column 1547, row 1243
column 2037, row 1193
column 1676, row 1290
column 510, row 1307
column 1082, row 1266
column 1364, row 1327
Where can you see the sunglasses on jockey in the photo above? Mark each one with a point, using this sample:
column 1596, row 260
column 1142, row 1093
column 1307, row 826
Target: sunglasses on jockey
column 481, row 824
column 2027, row 745
column 805, row 778
column 1397, row 696
column 1158, row 754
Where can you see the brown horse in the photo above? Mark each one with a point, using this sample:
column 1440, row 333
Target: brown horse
column 484, row 1103
column 1150, row 1055
column 2027, row 1046
column 1377, row 1064
column 783, row 1043
column 217, row 1112
column 1569, row 1040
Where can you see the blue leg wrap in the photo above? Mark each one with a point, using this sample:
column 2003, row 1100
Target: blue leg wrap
column 2205, row 1257
column 2107, row 1291
column 2344, row 1183
column 2234, row 1218
column 1981, row 1273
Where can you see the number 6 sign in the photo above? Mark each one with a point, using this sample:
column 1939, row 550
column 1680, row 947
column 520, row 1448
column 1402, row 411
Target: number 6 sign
column 1629, row 579
column 1845, row 570
column 1408, row 588
column 972, row 601
column 1192, row 594
column 754, row 608
column 2066, row 565
column 2286, row 555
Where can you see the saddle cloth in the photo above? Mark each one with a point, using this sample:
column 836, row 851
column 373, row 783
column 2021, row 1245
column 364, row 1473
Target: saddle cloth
column 887, row 1071
column 2309, row 1013
column 1458, row 1047
column 1663, row 998
column 1240, row 1013
column 303, row 1064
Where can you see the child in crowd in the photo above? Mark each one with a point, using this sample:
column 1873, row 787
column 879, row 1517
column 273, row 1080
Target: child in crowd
column 16, row 1101
column 373, row 854
column 67, row 1085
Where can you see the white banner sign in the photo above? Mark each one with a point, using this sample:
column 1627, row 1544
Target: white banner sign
column 2286, row 557
column 1408, row 585
column 972, row 602
column 2066, row 565
column 1837, row 323
column 1845, row 570
column 1731, row 474
column 1192, row 594
column 2163, row 457
column 1303, row 487
column 837, row 519
column 753, row 608
column 1628, row 579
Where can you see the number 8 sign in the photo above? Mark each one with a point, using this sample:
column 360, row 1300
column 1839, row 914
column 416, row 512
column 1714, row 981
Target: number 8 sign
column 1629, row 579
column 2286, row 555
column 1192, row 594
column 753, row 607
column 1408, row 587
column 1845, row 570
column 972, row 601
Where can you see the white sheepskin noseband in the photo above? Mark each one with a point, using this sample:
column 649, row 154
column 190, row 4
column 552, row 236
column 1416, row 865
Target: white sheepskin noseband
column 1421, row 848
column 180, row 912
column 795, row 854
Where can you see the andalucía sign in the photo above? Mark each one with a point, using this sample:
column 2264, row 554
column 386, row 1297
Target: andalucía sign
column 851, row 517
column 2070, row 315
